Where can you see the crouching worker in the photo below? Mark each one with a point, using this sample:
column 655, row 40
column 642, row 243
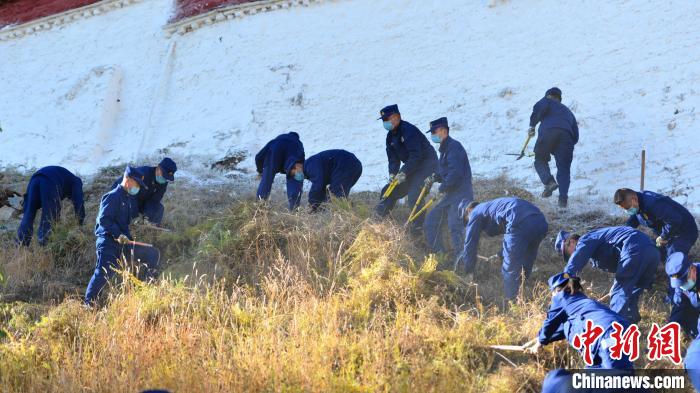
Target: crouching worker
column 624, row 251
column 523, row 226
column 566, row 319
column 47, row 188
column 455, row 177
column 334, row 171
column 672, row 223
column 114, row 242
column 684, row 275
column 155, row 179
column 284, row 154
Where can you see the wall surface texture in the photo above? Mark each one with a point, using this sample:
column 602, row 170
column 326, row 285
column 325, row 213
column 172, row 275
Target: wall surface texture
column 116, row 88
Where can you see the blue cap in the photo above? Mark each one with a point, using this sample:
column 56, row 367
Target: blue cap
column 554, row 91
column 559, row 243
column 677, row 264
column 167, row 165
column 435, row 124
column 462, row 207
column 388, row 111
column 135, row 174
column 558, row 279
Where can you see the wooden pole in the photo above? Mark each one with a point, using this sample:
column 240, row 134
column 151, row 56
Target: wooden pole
column 644, row 159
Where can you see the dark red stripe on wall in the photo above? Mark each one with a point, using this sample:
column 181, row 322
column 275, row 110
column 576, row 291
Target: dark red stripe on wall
column 187, row 8
column 21, row 11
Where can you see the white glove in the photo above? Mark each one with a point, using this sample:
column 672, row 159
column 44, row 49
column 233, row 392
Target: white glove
column 400, row 177
column 439, row 197
column 534, row 348
column 531, row 131
column 660, row 242
column 16, row 202
column 122, row 239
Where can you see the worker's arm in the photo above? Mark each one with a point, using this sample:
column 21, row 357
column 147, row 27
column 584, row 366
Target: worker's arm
column 670, row 216
column 152, row 205
column 260, row 158
column 575, row 130
column 317, row 192
column 272, row 163
column 294, row 190
column 471, row 241
column 394, row 161
column 78, row 200
column 680, row 312
column 413, row 145
column 456, row 171
column 539, row 111
column 109, row 210
column 553, row 327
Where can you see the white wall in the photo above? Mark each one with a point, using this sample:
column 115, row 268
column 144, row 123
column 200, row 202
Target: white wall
column 625, row 68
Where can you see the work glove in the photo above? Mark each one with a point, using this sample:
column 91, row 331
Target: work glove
column 400, row 177
column 429, row 181
column 122, row 239
column 16, row 202
column 531, row 131
column 439, row 197
column 534, row 348
column 660, row 242
column 391, row 178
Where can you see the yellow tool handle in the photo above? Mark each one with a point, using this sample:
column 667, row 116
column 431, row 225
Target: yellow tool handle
column 419, row 200
column 422, row 209
column 390, row 189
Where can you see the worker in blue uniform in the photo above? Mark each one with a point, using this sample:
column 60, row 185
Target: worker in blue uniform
column 284, row 154
column 557, row 135
column 624, row 251
column 405, row 144
column 455, row 177
column 155, row 179
column 331, row 171
column 566, row 318
column 523, row 226
column 47, row 188
column 686, row 305
column 673, row 224
column 683, row 278
column 114, row 241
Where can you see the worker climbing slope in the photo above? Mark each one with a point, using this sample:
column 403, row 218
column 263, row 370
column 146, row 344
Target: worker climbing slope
column 557, row 135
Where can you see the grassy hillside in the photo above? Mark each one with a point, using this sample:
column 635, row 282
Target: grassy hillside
column 254, row 298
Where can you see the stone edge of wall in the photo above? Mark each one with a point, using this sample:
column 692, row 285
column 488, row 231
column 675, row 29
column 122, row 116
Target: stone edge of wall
column 180, row 27
column 57, row 20
column 225, row 13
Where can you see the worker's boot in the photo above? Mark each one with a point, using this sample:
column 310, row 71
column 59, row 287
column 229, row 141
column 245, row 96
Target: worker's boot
column 563, row 203
column 549, row 189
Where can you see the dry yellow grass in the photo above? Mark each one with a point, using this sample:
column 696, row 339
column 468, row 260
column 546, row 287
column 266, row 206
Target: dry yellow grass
column 257, row 299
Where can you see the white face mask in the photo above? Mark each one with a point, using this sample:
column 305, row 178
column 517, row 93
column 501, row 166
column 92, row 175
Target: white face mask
column 688, row 285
